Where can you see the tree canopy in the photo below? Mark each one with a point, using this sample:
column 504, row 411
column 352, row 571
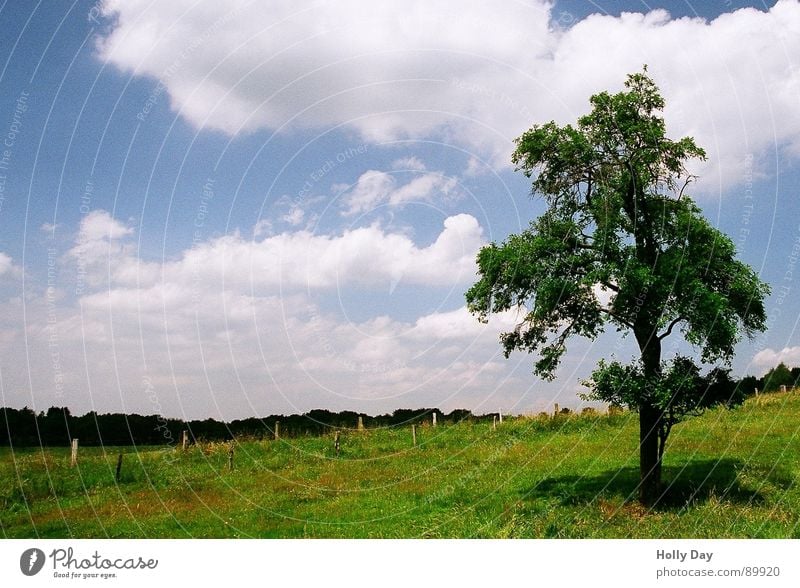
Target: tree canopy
column 622, row 244
column 779, row 376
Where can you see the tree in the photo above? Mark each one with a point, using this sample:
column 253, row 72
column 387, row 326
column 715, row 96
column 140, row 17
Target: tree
column 777, row 377
column 621, row 244
column 749, row 384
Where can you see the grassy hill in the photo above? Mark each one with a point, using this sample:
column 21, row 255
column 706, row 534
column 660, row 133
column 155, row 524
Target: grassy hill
column 731, row 474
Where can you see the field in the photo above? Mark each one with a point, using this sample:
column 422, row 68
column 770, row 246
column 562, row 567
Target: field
column 731, row 474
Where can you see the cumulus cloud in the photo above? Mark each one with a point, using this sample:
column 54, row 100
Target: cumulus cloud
column 295, row 259
column 361, row 257
column 100, row 253
column 459, row 324
column 99, row 225
column 5, row 263
column 294, row 217
column 768, row 358
column 375, row 188
column 472, row 72
column 249, row 65
column 8, row 267
column 234, row 327
column 411, row 163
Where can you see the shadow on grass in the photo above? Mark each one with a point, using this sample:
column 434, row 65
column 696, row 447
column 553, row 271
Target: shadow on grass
column 688, row 485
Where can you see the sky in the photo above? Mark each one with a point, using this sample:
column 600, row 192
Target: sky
column 244, row 208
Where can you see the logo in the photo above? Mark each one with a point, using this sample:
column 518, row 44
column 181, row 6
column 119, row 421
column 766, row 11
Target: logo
column 31, row 561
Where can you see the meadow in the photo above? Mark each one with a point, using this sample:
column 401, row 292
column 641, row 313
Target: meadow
column 730, row 473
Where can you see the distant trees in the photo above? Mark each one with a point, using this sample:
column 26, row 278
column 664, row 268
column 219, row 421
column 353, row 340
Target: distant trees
column 57, row 426
column 779, row 376
column 749, row 384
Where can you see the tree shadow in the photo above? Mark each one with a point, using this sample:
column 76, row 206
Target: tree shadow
column 688, row 485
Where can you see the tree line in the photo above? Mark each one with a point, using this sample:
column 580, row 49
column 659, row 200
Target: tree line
column 57, row 426
column 781, row 375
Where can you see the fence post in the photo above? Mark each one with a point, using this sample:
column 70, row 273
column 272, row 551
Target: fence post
column 119, row 468
column 556, row 410
column 783, row 387
column 336, row 443
column 73, row 459
column 184, row 440
column 360, row 423
column 500, row 416
column 414, row 434
column 434, row 418
column 494, row 422
column 277, row 430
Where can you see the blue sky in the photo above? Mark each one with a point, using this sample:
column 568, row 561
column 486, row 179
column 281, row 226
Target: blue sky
column 270, row 207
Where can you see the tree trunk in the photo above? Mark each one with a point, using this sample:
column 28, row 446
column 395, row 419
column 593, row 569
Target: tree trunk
column 650, row 423
column 649, row 458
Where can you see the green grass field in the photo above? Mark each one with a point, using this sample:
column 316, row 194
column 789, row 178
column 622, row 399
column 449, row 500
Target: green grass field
column 731, row 474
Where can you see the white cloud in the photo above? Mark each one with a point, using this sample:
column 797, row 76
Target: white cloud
column 230, row 328
column 376, row 188
column 411, row 163
column 101, row 253
column 370, row 189
column 99, row 225
column 295, row 216
column 262, row 228
column 367, row 256
column 424, row 187
column 476, row 167
column 459, row 324
column 768, row 358
column 251, row 65
column 471, row 72
column 299, row 259
column 7, row 266
column 5, row 263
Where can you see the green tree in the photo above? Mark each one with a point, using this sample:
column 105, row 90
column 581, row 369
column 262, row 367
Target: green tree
column 618, row 220
column 778, row 376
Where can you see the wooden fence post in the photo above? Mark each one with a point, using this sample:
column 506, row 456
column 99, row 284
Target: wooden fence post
column 556, row 410
column 414, row 434
column 119, row 468
column 277, row 430
column 184, row 440
column 494, row 422
column 500, row 416
column 434, row 418
column 73, row 459
column 336, row 443
column 360, row 423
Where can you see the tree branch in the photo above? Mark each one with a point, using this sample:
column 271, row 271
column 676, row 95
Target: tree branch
column 686, row 183
column 610, row 286
column 617, row 317
column 589, row 188
column 668, row 332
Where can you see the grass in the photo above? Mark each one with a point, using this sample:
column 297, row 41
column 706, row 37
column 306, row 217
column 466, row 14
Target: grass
column 729, row 474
